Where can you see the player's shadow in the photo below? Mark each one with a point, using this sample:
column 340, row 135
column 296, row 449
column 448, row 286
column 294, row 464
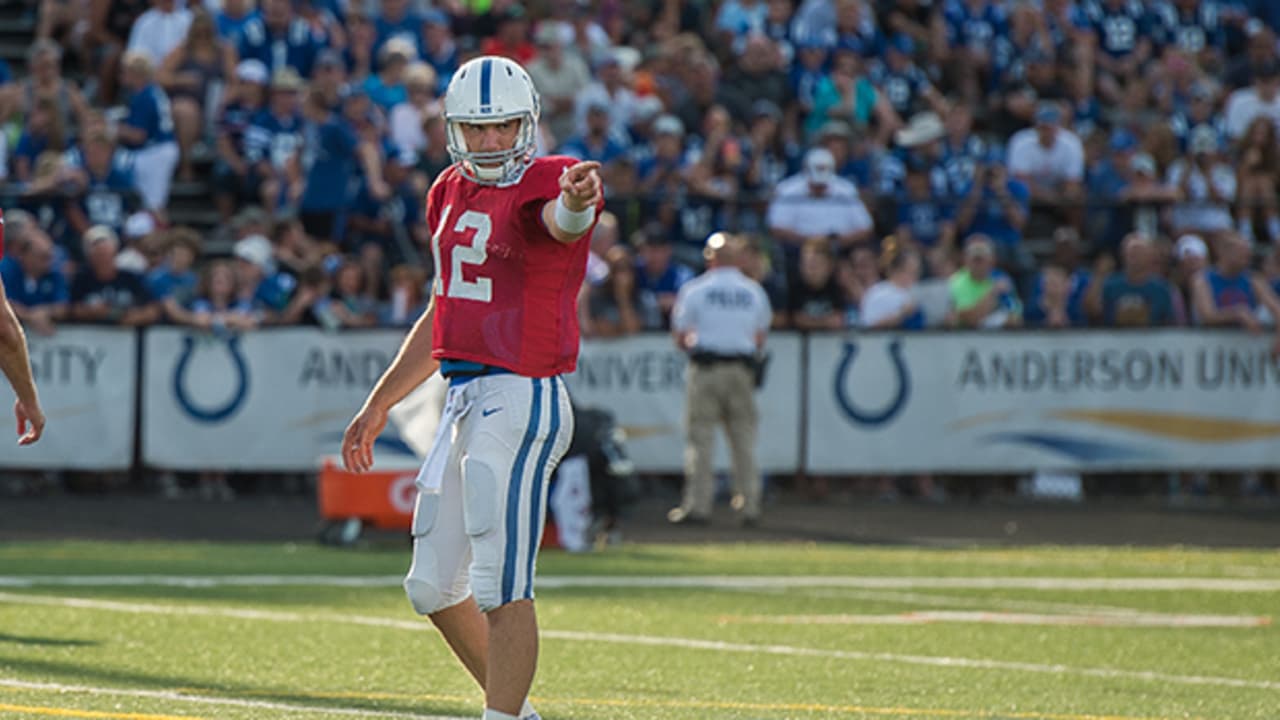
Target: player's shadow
column 45, row 642
column 74, row 673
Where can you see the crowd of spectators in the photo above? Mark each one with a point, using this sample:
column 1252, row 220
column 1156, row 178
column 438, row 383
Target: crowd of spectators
column 898, row 164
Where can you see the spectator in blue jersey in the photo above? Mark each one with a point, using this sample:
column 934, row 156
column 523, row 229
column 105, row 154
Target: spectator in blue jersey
column 1065, row 257
column 922, row 141
column 216, row 305
column 1198, row 110
column 599, row 143
column 810, row 67
column 398, row 19
column 324, row 19
column 273, row 139
column 231, row 19
column 1123, row 31
column 42, row 132
column 173, row 279
column 1230, row 293
column 1051, row 305
column 148, row 131
column 233, row 179
column 923, row 219
column 439, row 48
column 975, row 28
column 997, row 206
column 1136, row 297
column 366, row 223
column 328, row 162
column 103, row 189
column 1194, row 28
column 104, row 293
column 905, row 85
column 386, row 88
column 657, row 273
column 45, row 197
column 891, row 303
column 258, row 282
column 662, row 173
column 37, row 291
column 279, row 38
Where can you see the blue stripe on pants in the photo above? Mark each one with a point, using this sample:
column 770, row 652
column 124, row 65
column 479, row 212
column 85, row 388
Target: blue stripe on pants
column 539, row 476
column 513, row 496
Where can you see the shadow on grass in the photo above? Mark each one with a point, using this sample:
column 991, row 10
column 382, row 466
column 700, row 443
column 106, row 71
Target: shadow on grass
column 45, row 642
column 95, row 675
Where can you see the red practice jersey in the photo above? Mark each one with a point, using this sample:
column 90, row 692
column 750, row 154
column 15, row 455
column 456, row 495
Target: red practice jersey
column 506, row 290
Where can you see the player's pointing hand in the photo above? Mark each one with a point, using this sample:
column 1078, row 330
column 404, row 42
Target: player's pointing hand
column 580, row 185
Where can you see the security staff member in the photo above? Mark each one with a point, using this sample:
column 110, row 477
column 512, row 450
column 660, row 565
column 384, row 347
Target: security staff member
column 720, row 320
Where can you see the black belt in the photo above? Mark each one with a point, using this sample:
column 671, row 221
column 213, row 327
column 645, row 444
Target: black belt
column 707, row 358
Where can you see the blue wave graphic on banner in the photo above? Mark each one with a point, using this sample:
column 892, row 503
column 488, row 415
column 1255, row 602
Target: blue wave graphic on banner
column 1076, row 448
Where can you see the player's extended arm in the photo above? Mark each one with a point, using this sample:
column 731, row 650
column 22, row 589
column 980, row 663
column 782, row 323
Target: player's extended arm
column 570, row 216
column 16, row 365
column 410, row 368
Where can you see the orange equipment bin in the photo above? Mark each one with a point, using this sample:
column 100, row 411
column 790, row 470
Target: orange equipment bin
column 381, row 499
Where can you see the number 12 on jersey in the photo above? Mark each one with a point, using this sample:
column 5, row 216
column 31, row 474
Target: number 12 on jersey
column 453, row 283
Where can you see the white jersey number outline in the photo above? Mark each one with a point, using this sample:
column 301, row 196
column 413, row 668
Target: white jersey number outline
column 456, row 285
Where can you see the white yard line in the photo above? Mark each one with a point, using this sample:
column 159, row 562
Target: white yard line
column 929, row 660
column 173, row 696
column 711, row 582
column 648, row 640
column 949, row 601
column 926, row 617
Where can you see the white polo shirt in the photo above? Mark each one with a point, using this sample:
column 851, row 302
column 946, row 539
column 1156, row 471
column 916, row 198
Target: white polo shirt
column 838, row 212
column 158, row 33
column 725, row 309
column 1064, row 162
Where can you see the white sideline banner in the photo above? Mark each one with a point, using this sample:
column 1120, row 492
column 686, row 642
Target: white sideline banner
column 271, row 400
column 641, row 380
column 87, row 382
column 1026, row 401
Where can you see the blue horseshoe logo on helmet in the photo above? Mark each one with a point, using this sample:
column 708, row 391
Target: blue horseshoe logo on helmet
column 883, row 415
column 210, row 414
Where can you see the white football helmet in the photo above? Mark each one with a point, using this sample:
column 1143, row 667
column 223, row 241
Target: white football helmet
column 492, row 89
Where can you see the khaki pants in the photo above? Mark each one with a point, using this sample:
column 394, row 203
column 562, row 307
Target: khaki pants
column 722, row 393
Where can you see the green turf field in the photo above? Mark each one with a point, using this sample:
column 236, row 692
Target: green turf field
column 263, row 632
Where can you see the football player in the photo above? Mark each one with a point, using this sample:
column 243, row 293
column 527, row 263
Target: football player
column 501, row 327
